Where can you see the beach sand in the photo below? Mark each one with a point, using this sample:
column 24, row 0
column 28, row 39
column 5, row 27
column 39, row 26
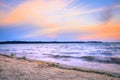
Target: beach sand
column 22, row 69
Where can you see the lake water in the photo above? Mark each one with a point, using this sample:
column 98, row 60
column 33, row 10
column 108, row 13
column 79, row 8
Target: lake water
column 102, row 56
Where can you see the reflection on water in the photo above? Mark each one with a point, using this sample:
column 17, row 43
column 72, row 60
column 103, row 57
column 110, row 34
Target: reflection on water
column 105, row 56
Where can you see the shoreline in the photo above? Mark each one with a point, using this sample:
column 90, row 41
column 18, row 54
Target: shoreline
column 48, row 65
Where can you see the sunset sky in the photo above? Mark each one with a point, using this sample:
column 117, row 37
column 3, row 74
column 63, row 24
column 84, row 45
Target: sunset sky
column 60, row 20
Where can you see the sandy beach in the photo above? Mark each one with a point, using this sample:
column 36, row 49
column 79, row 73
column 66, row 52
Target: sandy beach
column 12, row 68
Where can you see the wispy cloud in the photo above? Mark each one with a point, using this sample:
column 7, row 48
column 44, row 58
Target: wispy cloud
column 4, row 6
column 51, row 17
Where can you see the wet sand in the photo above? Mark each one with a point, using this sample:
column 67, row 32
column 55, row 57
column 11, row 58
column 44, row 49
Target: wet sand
column 12, row 68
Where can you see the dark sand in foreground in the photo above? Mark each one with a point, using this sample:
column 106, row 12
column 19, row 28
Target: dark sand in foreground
column 21, row 69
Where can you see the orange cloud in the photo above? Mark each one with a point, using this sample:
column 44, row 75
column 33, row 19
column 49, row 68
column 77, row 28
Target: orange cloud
column 38, row 10
column 108, row 31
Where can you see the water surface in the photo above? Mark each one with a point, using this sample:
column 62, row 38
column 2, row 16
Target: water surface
column 103, row 56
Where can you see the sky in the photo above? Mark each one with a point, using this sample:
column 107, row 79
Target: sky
column 60, row 20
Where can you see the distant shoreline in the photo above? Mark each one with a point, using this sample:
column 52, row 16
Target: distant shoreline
column 33, row 42
column 41, row 42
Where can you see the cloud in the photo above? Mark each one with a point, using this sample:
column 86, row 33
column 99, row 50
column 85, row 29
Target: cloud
column 1, row 14
column 4, row 6
column 52, row 17
column 107, row 31
column 97, row 10
column 35, row 11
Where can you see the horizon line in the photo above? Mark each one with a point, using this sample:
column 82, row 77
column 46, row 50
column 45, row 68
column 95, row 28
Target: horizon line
column 16, row 41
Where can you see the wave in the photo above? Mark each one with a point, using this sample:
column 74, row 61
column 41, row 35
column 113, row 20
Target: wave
column 70, row 53
column 101, row 59
column 58, row 56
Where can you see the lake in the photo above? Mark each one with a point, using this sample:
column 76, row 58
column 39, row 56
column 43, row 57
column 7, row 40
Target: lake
column 102, row 56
